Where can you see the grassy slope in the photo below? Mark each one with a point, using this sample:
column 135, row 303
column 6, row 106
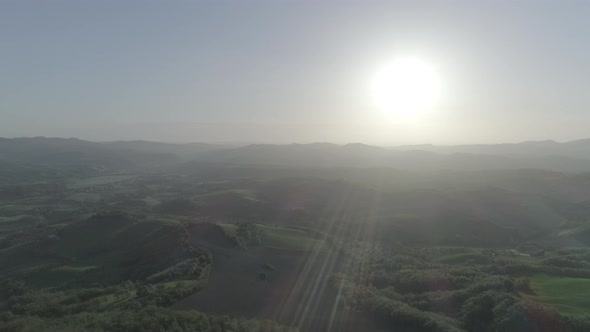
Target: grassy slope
column 566, row 295
column 107, row 249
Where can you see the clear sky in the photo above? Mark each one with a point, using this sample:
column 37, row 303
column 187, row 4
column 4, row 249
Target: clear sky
column 291, row 71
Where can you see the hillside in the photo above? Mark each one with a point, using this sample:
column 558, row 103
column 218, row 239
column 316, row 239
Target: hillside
column 355, row 237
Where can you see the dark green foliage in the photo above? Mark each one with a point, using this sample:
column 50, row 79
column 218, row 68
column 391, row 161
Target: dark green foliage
column 422, row 294
column 9, row 288
column 148, row 319
column 523, row 285
column 6, row 316
column 577, row 324
column 479, row 312
column 397, row 313
column 247, row 234
column 569, row 261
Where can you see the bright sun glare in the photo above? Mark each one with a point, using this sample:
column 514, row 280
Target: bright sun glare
column 406, row 88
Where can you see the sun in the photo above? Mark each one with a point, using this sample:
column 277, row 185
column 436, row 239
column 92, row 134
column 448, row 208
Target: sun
column 406, row 88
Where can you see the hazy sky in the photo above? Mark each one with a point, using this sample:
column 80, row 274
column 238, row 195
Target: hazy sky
column 291, row 71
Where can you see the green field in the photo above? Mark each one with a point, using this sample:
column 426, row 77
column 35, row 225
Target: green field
column 289, row 239
column 566, row 295
column 56, row 276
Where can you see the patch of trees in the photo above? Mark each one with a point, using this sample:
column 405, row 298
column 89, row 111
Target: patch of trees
column 393, row 311
column 192, row 268
column 247, row 235
column 128, row 306
column 143, row 319
column 422, row 294
column 163, row 295
column 570, row 261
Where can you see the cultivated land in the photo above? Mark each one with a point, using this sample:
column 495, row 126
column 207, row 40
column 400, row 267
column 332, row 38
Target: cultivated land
column 566, row 295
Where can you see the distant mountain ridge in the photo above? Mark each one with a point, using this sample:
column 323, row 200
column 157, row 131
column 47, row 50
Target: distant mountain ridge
column 574, row 149
column 424, row 158
column 55, row 151
column 571, row 156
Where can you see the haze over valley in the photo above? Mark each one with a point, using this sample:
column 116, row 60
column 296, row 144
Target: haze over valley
column 268, row 166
